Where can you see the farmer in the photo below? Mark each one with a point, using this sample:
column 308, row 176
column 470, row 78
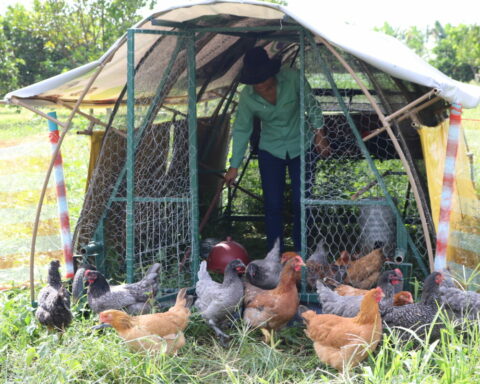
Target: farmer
column 272, row 95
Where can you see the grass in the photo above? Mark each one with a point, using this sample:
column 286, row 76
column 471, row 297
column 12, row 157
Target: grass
column 29, row 353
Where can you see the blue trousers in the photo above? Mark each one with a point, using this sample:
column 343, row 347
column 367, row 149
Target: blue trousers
column 273, row 176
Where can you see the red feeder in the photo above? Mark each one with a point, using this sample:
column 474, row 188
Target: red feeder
column 223, row 253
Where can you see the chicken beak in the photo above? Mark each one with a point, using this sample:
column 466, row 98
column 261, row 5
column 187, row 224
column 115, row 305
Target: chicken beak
column 100, row 326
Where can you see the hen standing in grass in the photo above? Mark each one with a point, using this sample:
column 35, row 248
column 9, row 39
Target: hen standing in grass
column 161, row 332
column 348, row 306
column 54, row 301
column 463, row 304
column 344, row 342
column 133, row 298
column 418, row 317
column 217, row 301
column 272, row 309
column 265, row 273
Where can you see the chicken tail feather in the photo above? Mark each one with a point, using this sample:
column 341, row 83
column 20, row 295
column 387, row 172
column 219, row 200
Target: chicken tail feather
column 181, row 298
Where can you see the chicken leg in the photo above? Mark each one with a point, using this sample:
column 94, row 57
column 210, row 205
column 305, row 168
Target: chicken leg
column 222, row 336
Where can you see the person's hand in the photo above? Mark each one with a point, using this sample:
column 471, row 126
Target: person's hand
column 231, row 175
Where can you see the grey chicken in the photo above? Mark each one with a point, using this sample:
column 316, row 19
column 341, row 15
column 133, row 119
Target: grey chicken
column 418, row 317
column 265, row 273
column 216, row 301
column 53, row 308
column 349, row 306
column 132, row 298
column 463, row 304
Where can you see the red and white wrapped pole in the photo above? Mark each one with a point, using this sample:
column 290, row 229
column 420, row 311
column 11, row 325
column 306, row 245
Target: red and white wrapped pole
column 61, row 199
column 448, row 187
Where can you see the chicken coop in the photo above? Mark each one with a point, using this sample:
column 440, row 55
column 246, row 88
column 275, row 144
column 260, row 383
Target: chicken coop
column 171, row 82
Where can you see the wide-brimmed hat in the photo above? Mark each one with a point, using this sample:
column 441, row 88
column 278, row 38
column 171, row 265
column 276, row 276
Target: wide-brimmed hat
column 257, row 66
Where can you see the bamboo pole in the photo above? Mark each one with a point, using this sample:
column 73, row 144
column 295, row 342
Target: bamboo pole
column 395, row 143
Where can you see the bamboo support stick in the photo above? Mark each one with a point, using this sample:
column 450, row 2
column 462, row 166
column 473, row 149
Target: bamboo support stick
column 20, row 103
column 395, row 143
column 414, row 103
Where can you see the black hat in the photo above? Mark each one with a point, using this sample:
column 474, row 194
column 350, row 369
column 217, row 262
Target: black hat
column 257, row 66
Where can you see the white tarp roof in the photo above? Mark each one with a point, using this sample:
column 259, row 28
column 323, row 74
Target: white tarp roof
column 377, row 49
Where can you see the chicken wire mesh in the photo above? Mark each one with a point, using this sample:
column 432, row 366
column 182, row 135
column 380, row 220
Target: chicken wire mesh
column 346, row 186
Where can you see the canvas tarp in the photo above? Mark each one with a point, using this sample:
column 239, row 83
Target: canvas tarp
column 377, row 49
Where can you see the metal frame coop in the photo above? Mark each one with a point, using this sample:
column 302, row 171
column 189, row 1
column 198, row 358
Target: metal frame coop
column 168, row 136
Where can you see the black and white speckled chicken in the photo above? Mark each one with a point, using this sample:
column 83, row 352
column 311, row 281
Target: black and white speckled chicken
column 265, row 273
column 463, row 304
column 349, row 306
column 216, row 301
column 54, row 301
column 132, row 298
column 420, row 317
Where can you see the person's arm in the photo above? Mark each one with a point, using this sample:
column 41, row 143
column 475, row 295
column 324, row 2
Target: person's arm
column 242, row 129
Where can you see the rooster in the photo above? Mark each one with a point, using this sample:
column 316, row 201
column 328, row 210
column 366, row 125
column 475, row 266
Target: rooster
column 348, row 306
column 216, row 301
column 418, row 317
column 161, row 332
column 133, row 298
column 343, row 342
column 265, row 273
column 53, row 308
column 272, row 309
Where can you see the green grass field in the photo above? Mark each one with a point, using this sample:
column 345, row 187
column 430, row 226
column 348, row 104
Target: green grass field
column 29, row 353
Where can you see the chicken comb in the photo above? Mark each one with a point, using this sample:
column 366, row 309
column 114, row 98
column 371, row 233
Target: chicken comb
column 398, row 272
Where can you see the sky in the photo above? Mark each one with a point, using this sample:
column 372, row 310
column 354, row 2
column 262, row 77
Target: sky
column 373, row 13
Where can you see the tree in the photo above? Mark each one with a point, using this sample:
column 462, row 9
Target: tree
column 457, row 51
column 8, row 65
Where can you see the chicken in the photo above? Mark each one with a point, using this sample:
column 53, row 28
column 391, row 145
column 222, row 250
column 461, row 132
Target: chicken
column 364, row 272
column 160, row 332
column 133, row 298
column 250, row 290
column 348, row 306
column 216, row 301
column 402, row 298
column 265, row 273
column 343, row 342
column 53, row 300
column 418, row 317
column 463, row 304
column 318, row 267
column 272, row 309
column 348, row 290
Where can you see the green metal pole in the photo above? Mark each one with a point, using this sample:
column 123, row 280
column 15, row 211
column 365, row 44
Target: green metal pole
column 303, row 227
column 130, row 209
column 192, row 146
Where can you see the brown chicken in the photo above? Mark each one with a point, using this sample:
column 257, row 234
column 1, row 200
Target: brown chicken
column 250, row 290
column 272, row 309
column 154, row 332
column 393, row 278
column 402, row 298
column 364, row 272
column 343, row 342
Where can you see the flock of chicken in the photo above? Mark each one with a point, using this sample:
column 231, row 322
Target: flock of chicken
column 354, row 315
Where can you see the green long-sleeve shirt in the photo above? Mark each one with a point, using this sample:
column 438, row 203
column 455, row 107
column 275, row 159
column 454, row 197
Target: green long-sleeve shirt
column 280, row 133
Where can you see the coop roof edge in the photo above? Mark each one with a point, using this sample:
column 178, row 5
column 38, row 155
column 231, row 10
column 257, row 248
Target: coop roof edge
column 381, row 51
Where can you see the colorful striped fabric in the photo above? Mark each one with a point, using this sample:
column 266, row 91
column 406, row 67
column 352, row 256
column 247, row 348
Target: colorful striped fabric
column 61, row 199
column 443, row 230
